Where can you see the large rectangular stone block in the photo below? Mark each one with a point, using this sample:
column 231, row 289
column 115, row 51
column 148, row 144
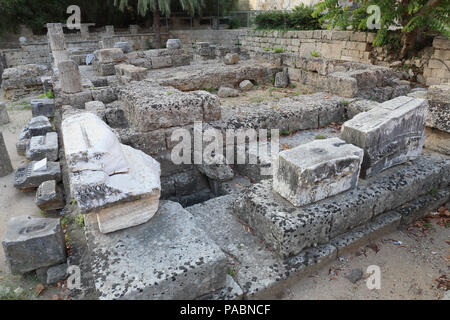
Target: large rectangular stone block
column 34, row 173
column 439, row 107
column 150, row 107
column 32, row 243
column 390, row 134
column 118, row 184
column 317, row 170
column 166, row 258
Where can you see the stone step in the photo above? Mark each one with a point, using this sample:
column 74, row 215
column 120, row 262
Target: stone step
column 169, row 257
column 289, row 230
column 261, row 273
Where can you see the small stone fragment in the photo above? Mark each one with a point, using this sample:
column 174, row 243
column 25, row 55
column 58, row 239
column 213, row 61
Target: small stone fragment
column 355, row 275
column 246, row 85
column 225, row 92
column 49, row 196
column 231, row 58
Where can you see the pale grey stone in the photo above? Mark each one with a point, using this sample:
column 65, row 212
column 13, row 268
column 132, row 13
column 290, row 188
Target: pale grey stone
column 33, row 243
column 390, row 134
column 225, row 92
column 173, row 44
column 41, row 147
column 43, row 107
column 111, row 55
column 27, row 177
column 246, row 85
column 317, row 170
column 4, row 118
column 231, row 58
column 282, row 79
column 69, row 76
column 5, row 162
column 56, row 37
column 49, row 196
column 166, row 258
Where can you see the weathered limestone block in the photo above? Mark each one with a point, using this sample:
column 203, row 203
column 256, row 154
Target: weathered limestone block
column 49, row 196
column 282, row 79
column 128, row 72
column 231, row 58
column 111, row 55
column 4, row 118
column 150, row 107
column 169, row 257
column 43, row 107
column 23, row 80
column 390, row 134
column 173, row 44
column 56, row 273
column 317, row 170
column 439, row 107
column 116, row 183
column 162, row 62
column 5, row 162
column 76, row 100
column 218, row 170
column 33, row 243
column 70, row 77
column 225, row 92
column 246, row 85
column 56, row 37
column 34, row 173
column 41, row 147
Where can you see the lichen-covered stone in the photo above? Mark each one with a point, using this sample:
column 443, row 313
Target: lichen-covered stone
column 390, row 134
column 150, row 107
column 439, row 107
column 49, row 196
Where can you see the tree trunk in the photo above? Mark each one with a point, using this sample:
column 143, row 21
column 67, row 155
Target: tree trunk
column 157, row 26
column 408, row 42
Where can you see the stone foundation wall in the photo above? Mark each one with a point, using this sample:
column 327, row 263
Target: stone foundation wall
column 342, row 45
column 438, row 69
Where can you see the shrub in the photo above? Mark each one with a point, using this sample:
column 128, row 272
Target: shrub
column 298, row 19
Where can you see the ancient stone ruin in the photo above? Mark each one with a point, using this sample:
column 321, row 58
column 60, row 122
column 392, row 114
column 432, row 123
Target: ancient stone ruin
column 167, row 158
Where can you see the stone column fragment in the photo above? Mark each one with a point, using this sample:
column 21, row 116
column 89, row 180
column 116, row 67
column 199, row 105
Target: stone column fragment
column 5, row 162
column 70, row 77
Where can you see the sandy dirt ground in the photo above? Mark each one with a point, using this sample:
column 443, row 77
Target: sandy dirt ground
column 409, row 267
column 16, row 203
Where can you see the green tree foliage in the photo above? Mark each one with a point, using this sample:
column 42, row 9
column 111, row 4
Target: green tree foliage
column 298, row 19
column 410, row 16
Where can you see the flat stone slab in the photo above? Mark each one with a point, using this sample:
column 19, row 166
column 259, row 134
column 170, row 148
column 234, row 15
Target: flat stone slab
column 439, row 107
column 33, row 174
column 166, row 258
column 37, row 126
column 390, row 134
column 117, row 183
column 41, row 147
column 317, row 170
column 33, row 243
column 288, row 229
